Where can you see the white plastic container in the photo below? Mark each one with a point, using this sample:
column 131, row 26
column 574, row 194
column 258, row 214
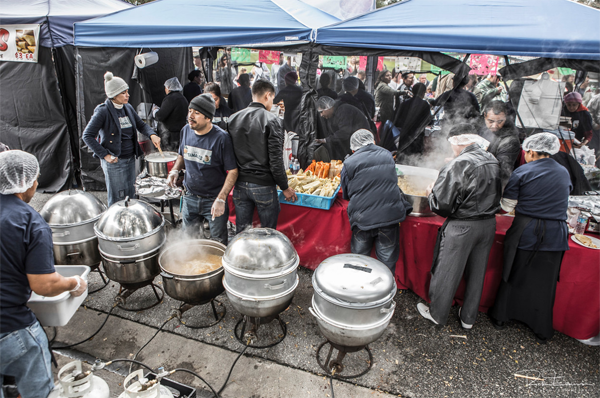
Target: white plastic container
column 58, row 310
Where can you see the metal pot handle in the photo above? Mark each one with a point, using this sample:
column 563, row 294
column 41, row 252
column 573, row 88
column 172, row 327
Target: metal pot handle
column 61, row 234
column 388, row 310
column 275, row 287
column 73, row 254
column 129, row 249
column 166, row 276
column 314, row 313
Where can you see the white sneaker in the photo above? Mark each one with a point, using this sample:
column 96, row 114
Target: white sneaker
column 424, row 311
column 464, row 325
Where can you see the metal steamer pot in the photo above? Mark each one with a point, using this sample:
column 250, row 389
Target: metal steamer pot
column 130, row 236
column 191, row 289
column 353, row 299
column 420, row 178
column 159, row 166
column 71, row 216
column 260, row 272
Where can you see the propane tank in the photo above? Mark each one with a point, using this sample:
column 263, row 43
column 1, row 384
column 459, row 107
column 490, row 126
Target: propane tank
column 144, row 388
column 74, row 382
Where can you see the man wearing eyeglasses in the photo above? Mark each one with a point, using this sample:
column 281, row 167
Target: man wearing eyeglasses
column 504, row 141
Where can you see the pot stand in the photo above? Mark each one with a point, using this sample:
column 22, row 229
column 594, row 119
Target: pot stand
column 336, row 364
column 102, row 274
column 251, row 335
column 128, row 289
column 218, row 315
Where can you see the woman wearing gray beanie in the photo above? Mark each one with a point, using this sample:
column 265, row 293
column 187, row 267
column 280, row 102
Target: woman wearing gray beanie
column 117, row 123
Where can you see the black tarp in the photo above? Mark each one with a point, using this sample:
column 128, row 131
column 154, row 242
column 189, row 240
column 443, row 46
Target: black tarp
column 32, row 117
column 539, row 65
column 93, row 63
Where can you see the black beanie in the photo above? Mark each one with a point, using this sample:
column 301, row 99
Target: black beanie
column 205, row 104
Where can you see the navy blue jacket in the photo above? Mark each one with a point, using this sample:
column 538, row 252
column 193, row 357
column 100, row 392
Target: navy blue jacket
column 369, row 181
column 106, row 123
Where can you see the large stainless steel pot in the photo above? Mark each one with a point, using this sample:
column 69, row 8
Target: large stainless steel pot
column 159, row 166
column 260, row 272
column 71, row 216
column 353, row 299
column 130, row 236
column 191, row 289
column 420, row 178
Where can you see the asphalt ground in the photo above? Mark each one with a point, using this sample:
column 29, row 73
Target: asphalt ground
column 414, row 358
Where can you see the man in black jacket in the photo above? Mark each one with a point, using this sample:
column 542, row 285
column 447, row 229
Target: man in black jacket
column 193, row 89
column 258, row 138
column 376, row 206
column 504, row 141
column 358, row 98
column 342, row 121
column 172, row 115
column 468, row 193
column 291, row 95
column 222, row 111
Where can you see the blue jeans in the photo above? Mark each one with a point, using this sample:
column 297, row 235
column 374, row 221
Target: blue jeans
column 247, row 196
column 195, row 208
column 25, row 355
column 387, row 244
column 120, row 179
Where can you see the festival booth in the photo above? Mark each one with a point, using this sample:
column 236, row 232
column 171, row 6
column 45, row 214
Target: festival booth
column 37, row 81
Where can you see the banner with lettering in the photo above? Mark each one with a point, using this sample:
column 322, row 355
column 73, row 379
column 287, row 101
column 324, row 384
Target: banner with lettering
column 483, row 64
column 408, row 64
column 363, row 63
column 19, row 43
column 268, row 57
column 241, row 55
column 336, row 62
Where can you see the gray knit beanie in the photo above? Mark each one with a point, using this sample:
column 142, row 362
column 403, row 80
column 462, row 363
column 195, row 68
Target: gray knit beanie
column 114, row 85
column 205, row 104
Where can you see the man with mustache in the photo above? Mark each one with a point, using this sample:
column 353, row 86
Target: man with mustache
column 206, row 153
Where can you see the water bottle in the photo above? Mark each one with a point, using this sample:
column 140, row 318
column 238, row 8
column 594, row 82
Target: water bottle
column 581, row 224
column 296, row 165
column 292, row 165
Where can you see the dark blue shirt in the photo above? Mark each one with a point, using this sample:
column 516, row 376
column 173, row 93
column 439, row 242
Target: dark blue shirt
column 25, row 248
column 127, row 136
column 207, row 158
column 542, row 189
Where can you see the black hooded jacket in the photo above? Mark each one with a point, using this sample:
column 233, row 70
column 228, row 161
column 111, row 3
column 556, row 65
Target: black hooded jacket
column 506, row 147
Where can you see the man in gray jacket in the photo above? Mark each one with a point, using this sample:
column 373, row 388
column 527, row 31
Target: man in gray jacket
column 467, row 192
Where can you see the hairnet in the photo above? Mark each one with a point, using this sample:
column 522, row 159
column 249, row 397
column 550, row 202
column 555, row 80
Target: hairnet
column 173, row 84
column 542, row 142
column 325, row 103
column 18, row 171
column 468, row 139
column 360, row 139
column 350, row 83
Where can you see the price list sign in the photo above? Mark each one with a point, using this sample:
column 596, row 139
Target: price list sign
column 19, row 43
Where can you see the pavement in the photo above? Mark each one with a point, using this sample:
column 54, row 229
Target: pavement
column 413, row 358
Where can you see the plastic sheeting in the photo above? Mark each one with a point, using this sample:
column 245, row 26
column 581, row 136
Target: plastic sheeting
column 208, row 23
column 56, row 16
column 537, row 28
column 92, row 63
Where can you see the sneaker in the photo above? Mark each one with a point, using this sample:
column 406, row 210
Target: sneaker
column 498, row 325
column 424, row 311
column 464, row 325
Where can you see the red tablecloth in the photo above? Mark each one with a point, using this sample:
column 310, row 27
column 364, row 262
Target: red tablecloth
column 319, row 234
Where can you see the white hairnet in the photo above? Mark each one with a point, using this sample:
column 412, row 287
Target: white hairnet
column 542, row 142
column 361, row 138
column 173, row 84
column 325, row 103
column 18, row 171
column 468, row 139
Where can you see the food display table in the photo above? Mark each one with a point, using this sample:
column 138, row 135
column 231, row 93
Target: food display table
column 319, row 234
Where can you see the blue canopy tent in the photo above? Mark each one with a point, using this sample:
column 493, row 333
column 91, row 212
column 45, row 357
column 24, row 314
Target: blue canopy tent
column 536, row 28
column 38, row 99
column 208, row 23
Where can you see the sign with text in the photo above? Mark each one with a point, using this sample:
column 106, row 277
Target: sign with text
column 483, row 64
column 19, row 43
column 268, row 57
column 408, row 64
column 241, row 55
column 335, row 62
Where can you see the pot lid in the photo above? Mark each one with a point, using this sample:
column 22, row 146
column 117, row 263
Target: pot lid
column 129, row 218
column 260, row 251
column 72, row 207
column 157, row 157
column 354, row 279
